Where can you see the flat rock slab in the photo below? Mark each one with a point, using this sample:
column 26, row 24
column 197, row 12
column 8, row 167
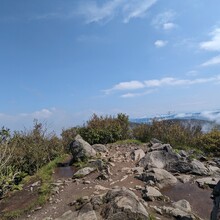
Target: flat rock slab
column 210, row 181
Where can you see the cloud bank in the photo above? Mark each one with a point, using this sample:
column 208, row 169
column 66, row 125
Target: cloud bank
column 157, row 83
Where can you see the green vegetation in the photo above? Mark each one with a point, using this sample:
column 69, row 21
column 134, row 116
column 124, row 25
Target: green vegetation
column 44, row 175
column 101, row 130
column 24, row 153
column 108, row 129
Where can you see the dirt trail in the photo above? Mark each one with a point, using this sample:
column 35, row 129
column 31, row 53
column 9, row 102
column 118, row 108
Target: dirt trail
column 67, row 190
column 72, row 190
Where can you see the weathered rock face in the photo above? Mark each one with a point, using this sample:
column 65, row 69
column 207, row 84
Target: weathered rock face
column 87, row 213
column 183, row 205
column 151, row 194
column 123, row 204
column 81, row 149
column 199, row 168
column 100, row 148
column 159, row 176
column 137, row 155
column 161, row 156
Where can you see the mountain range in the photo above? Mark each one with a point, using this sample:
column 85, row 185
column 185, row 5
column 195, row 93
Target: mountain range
column 210, row 117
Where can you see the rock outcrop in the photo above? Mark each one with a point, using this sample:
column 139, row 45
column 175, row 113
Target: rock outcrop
column 81, row 150
column 123, row 204
column 160, row 177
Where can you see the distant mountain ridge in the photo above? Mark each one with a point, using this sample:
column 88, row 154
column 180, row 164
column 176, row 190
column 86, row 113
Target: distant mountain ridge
column 211, row 116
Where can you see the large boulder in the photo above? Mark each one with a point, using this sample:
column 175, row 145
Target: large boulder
column 159, row 158
column 160, row 176
column 86, row 212
column 81, row 149
column 199, row 168
column 123, row 204
column 183, row 205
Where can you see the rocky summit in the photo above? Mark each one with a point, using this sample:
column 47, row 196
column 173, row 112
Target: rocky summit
column 132, row 181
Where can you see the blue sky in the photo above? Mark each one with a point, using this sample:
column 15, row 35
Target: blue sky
column 61, row 61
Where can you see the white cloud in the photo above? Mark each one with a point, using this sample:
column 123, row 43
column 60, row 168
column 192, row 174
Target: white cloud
column 165, row 20
column 168, row 26
column 214, row 43
column 136, row 9
column 211, row 115
column 93, row 12
column 132, row 85
column 160, row 43
column 132, row 95
column 156, row 83
column 212, row 61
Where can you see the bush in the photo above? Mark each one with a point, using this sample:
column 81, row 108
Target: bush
column 35, row 148
column 170, row 131
column 108, row 129
column 210, row 142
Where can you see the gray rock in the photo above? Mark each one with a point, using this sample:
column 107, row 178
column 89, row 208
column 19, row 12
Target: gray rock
column 69, row 215
column 137, row 170
column 99, row 164
column 209, row 181
column 178, row 213
column 160, row 176
column 87, row 213
column 183, row 205
column 180, row 166
column 199, row 168
column 183, row 153
column 81, row 149
column 151, row 194
column 83, row 172
column 96, row 202
column 122, row 203
column 159, row 159
column 181, row 215
column 100, row 148
column 164, row 147
column 184, row 178
column 138, row 154
column 214, row 170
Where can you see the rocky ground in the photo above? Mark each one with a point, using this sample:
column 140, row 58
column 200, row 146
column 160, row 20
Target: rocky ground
column 149, row 181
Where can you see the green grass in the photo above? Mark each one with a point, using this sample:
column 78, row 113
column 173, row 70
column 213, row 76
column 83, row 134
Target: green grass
column 45, row 176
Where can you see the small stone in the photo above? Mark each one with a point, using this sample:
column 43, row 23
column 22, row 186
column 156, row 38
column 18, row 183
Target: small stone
column 86, row 182
column 124, row 178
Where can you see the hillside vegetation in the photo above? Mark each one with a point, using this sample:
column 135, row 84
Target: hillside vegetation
column 24, row 153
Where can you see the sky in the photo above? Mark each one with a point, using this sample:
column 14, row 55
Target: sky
column 63, row 60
